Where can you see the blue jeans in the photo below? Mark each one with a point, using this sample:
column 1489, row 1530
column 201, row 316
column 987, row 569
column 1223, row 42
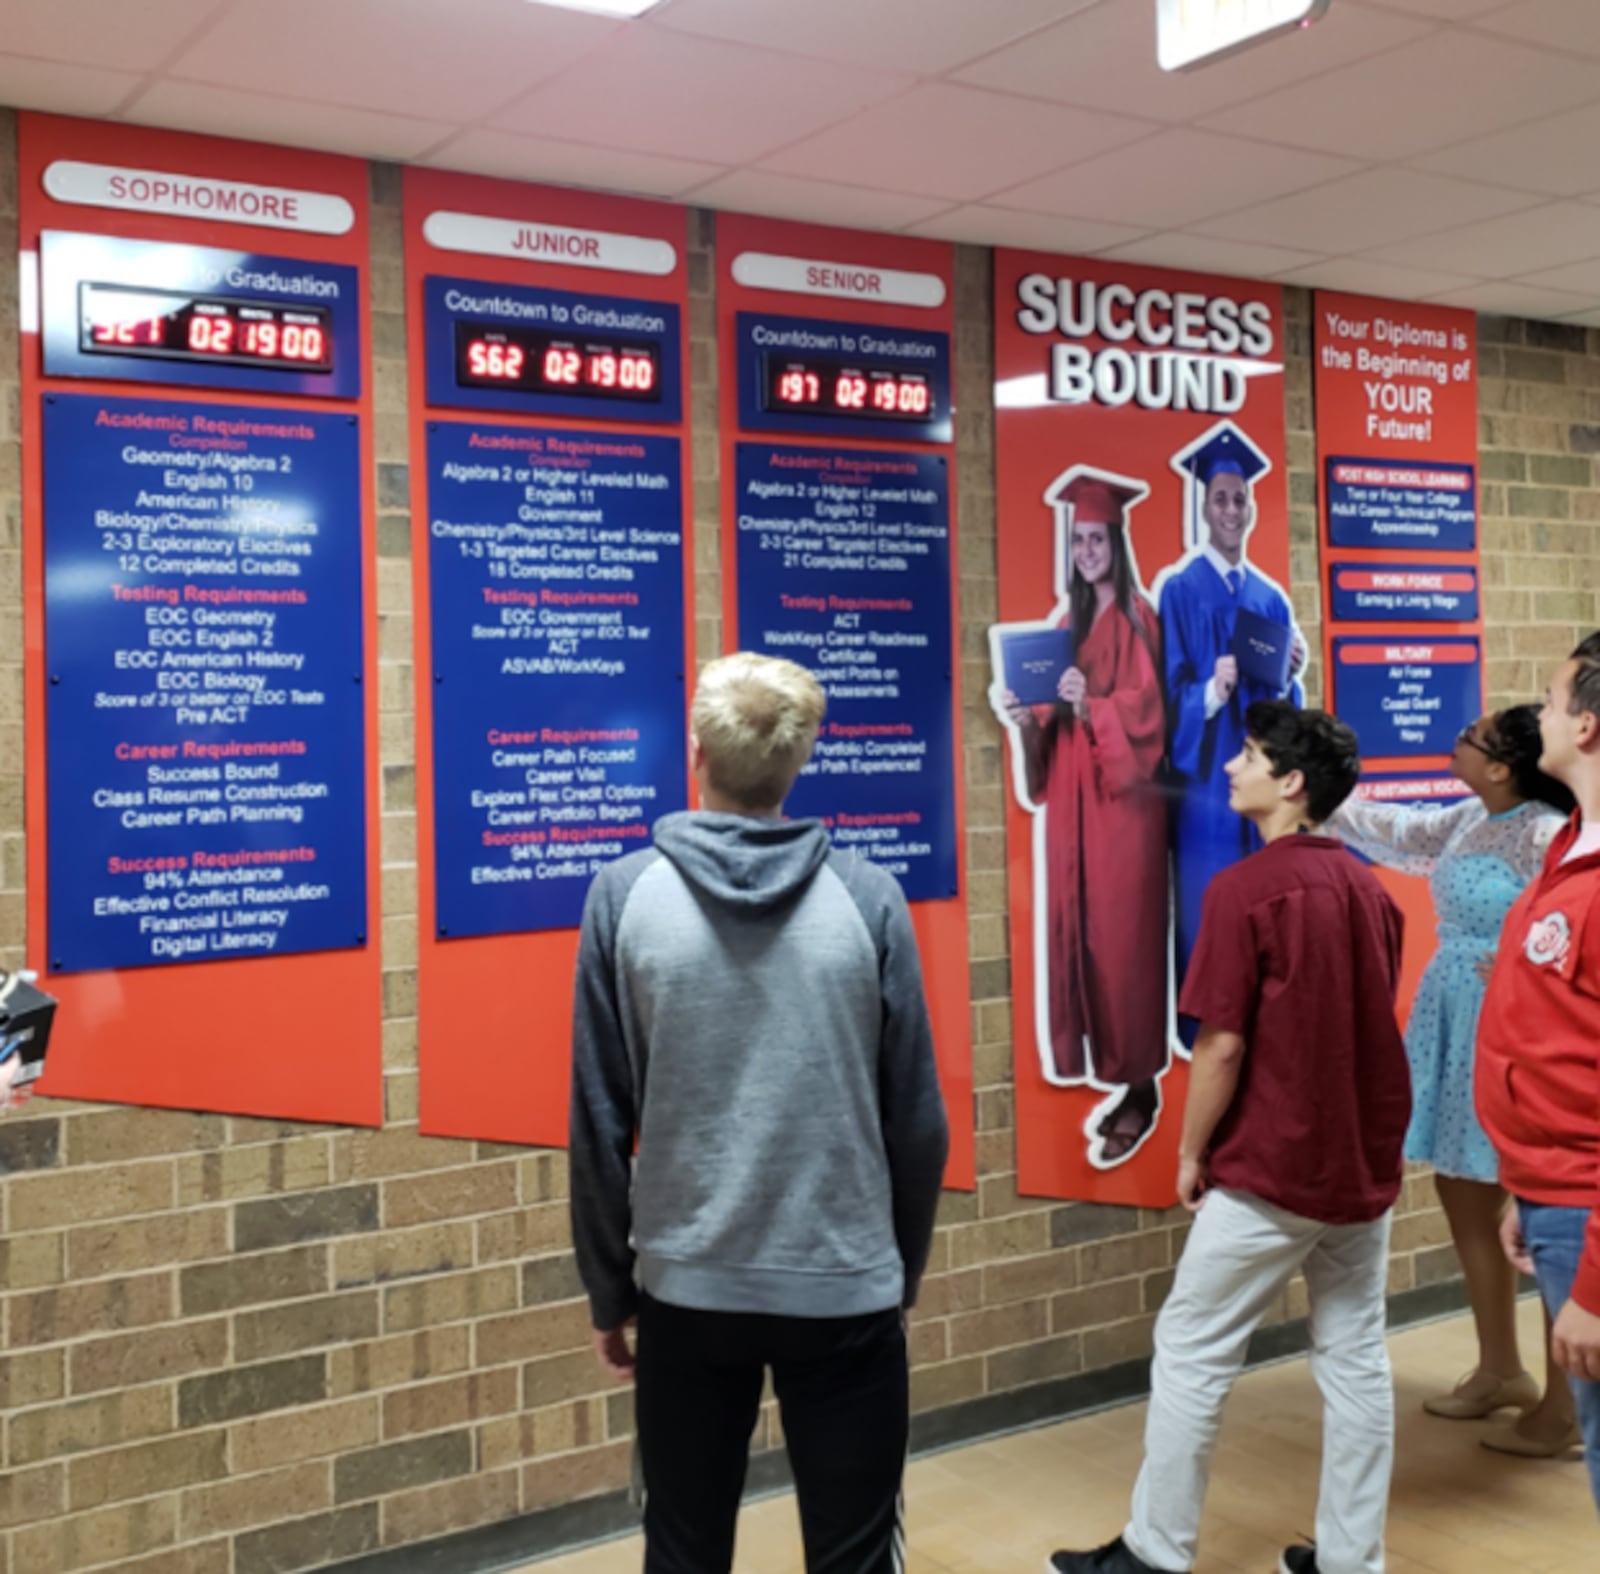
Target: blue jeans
column 1555, row 1237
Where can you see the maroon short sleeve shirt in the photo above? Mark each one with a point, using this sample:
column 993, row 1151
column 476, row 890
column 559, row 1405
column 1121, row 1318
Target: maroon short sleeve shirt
column 1299, row 953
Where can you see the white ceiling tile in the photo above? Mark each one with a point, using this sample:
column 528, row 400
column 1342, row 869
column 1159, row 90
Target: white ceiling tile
column 1588, row 319
column 1173, row 179
column 64, row 90
column 813, row 201
column 1554, row 157
column 481, row 151
column 458, row 61
column 1375, row 208
column 1518, row 243
column 983, row 226
column 133, row 34
column 924, row 36
column 695, row 98
column 1581, row 277
column 1204, row 254
column 1417, row 98
column 1106, row 59
column 1511, row 299
column 960, row 143
column 1562, row 24
column 1359, row 276
column 1439, row 10
column 219, row 111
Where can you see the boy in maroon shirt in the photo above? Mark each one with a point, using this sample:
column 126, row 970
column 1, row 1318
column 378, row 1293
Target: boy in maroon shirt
column 1299, row 1095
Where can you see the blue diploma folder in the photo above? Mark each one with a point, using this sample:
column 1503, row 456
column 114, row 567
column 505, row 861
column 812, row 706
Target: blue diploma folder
column 1034, row 661
column 1262, row 647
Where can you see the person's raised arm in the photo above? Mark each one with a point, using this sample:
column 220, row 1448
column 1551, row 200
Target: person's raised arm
column 1407, row 837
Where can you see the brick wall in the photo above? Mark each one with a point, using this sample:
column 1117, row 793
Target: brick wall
column 239, row 1346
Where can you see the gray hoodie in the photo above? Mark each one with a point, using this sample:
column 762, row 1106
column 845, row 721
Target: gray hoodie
column 750, row 1009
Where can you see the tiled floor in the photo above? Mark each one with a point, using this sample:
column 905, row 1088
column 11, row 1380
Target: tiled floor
column 994, row 1507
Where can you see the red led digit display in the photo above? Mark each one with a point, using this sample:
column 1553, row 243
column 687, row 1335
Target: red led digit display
column 122, row 320
column 824, row 387
column 531, row 360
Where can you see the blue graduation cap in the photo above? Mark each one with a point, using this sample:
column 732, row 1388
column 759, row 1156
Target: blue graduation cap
column 1223, row 450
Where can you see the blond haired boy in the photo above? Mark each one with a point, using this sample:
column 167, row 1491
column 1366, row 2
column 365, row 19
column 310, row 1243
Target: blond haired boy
column 758, row 1142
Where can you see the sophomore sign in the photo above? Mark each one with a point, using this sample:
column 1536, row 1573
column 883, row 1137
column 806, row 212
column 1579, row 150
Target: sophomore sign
column 1142, row 510
column 201, row 633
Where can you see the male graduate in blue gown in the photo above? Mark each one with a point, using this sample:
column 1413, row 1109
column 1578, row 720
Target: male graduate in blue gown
column 1207, row 694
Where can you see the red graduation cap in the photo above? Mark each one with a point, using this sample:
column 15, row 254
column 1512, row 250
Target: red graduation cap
column 1099, row 500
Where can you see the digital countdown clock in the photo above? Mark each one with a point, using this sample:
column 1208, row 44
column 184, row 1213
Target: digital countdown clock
column 836, row 387
column 539, row 361
column 816, row 377
column 122, row 320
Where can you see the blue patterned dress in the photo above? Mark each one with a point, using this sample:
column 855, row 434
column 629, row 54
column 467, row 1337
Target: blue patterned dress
column 1477, row 864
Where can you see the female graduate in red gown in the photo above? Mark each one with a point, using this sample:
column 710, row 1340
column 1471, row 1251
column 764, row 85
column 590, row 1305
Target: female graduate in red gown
column 1092, row 760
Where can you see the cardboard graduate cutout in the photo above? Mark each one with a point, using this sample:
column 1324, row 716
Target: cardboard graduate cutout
column 1127, row 369
column 1085, row 762
column 1229, row 638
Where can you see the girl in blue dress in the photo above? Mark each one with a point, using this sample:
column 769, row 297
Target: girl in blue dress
column 1478, row 855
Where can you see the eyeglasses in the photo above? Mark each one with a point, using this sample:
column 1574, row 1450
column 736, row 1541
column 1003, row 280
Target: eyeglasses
column 1473, row 741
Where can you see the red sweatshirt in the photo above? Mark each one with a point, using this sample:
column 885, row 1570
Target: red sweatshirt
column 1538, row 1068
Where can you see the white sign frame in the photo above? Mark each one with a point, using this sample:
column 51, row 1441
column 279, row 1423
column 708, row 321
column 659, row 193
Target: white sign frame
column 759, row 270
column 155, row 191
column 483, row 236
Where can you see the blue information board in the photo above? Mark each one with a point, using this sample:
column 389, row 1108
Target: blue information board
column 844, row 567
column 1407, row 697
column 559, row 729
column 527, row 351
column 136, row 311
column 818, row 378
column 1402, row 505
column 1403, row 593
column 206, row 741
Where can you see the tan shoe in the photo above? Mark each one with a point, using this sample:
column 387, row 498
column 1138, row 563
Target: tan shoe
column 1508, row 1440
column 1479, row 1394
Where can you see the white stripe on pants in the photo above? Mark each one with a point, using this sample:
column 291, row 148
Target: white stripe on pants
column 1240, row 1256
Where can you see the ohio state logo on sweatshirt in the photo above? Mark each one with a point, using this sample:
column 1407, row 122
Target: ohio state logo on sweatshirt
column 1549, row 941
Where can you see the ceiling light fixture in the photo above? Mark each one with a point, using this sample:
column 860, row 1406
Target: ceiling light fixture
column 604, row 7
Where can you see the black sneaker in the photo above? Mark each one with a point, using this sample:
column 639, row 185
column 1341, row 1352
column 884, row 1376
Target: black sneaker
column 1113, row 1558
column 1301, row 1559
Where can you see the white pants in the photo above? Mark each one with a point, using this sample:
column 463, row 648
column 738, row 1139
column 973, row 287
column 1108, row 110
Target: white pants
column 1239, row 1258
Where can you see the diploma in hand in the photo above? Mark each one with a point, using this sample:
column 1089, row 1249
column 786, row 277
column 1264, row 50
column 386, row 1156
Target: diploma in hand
column 1034, row 662
column 1262, row 648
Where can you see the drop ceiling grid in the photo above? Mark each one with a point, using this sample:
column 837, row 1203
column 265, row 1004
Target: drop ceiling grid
column 1428, row 148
